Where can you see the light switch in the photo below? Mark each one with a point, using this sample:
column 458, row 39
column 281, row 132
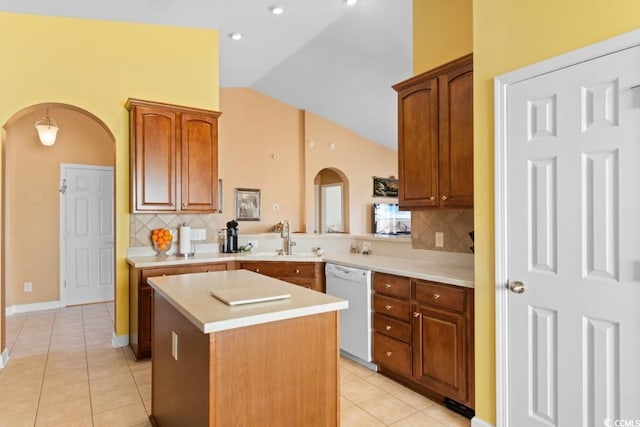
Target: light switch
column 439, row 239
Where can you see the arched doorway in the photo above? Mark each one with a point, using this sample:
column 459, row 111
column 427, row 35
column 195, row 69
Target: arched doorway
column 331, row 211
column 31, row 198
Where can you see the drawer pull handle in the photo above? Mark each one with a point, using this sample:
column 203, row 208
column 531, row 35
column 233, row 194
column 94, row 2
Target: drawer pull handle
column 297, row 271
column 257, row 270
column 387, row 307
column 436, row 296
column 387, row 285
column 416, row 314
column 388, row 327
column 389, row 354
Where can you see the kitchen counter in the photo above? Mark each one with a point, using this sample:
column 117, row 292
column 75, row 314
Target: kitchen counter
column 190, row 294
column 266, row 363
column 452, row 269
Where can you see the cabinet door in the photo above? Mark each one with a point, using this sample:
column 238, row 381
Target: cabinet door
column 440, row 352
column 456, row 137
column 145, row 301
column 199, row 162
column 154, row 152
column 418, row 145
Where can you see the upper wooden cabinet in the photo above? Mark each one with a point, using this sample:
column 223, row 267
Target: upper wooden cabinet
column 435, row 137
column 174, row 158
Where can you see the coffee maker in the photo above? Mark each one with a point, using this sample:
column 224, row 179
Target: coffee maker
column 230, row 244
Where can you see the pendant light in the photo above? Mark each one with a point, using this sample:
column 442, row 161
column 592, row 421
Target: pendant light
column 47, row 130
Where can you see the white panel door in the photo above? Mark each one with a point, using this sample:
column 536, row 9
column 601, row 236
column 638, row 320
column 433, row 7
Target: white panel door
column 573, row 243
column 88, row 229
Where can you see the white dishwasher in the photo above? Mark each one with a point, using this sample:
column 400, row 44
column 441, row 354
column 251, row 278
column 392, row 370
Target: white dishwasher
column 354, row 285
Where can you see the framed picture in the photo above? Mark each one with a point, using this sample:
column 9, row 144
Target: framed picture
column 385, row 187
column 247, row 204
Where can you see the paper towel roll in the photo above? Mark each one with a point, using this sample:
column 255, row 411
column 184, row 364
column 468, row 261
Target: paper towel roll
column 185, row 240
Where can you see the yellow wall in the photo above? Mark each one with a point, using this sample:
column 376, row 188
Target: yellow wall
column 97, row 65
column 508, row 35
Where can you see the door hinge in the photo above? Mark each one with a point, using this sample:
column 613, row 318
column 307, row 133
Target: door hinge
column 65, row 284
column 63, row 188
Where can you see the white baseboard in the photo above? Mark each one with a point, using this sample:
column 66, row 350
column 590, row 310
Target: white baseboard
column 119, row 340
column 4, row 358
column 477, row 422
column 38, row 306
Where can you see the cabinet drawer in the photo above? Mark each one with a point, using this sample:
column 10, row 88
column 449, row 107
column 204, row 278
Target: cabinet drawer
column 281, row 268
column 305, row 282
column 182, row 269
column 392, row 327
column 395, row 286
column 442, row 296
column 392, row 354
column 391, row 307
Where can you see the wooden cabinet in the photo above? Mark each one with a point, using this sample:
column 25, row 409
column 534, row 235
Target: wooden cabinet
column 307, row 274
column 391, row 323
column 435, row 137
column 423, row 336
column 141, row 300
column 174, row 158
column 443, row 340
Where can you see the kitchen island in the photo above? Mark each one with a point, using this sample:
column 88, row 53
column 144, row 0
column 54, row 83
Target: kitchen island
column 270, row 363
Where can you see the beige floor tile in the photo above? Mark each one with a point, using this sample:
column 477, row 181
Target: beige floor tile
column 359, row 391
column 129, row 415
column 419, row 419
column 60, row 366
column 447, row 417
column 413, row 399
column 23, row 419
column 346, row 376
column 345, row 403
column 107, row 370
column 382, row 382
column 147, row 406
column 61, row 393
column 19, row 404
column 76, row 376
column 145, row 391
column 115, row 399
column 357, row 417
column 63, row 412
column 388, row 409
column 80, row 422
column 108, row 384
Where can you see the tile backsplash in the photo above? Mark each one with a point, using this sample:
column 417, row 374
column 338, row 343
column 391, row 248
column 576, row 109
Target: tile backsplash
column 142, row 224
column 454, row 223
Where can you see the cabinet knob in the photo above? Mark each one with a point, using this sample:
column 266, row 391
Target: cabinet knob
column 416, row 314
column 297, row 271
column 389, row 354
column 436, row 296
column 184, row 205
column 432, row 198
column 444, row 197
column 387, row 307
column 164, row 275
column 257, row 270
column 387, row 285
column 388, row 327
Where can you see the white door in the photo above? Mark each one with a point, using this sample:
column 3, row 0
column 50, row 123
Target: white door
column 87, row 223
column 573, row 244
column 331, row 202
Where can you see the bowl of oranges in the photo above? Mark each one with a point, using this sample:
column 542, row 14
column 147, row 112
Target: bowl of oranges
column 161, row 239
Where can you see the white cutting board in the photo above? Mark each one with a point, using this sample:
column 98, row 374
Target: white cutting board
column 248, row 295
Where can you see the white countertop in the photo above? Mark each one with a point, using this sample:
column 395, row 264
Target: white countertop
column 444, row 269
column 191, row 295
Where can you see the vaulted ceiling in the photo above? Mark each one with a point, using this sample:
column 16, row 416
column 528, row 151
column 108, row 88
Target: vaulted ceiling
column 323, row 56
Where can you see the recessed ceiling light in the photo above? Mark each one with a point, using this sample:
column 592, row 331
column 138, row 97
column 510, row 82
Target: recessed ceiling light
column 235, row 36
column 277, row 10
column 350, row 2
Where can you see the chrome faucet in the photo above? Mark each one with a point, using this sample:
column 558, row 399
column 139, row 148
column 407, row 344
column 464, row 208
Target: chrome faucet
column 286, row 234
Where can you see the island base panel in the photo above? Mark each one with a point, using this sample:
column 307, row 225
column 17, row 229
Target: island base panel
column 280, row 373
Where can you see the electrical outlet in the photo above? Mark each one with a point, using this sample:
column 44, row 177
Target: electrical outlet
column 439, row 239
column 28, row 286
column 174, row 345
column 366, row 248
column 198, row 234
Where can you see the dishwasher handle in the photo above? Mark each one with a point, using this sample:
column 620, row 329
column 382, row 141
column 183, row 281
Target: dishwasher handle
column 347, row 273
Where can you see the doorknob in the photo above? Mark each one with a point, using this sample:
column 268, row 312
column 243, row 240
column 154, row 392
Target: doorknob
column 517, row 287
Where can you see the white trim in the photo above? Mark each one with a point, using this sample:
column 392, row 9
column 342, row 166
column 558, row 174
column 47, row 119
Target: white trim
column 38, row 306
column 4, row 358
column 119, row 340
column 501, row 86
column 477, row 422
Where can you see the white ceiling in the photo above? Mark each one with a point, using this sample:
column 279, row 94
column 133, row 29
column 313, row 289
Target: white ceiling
column 323, row 56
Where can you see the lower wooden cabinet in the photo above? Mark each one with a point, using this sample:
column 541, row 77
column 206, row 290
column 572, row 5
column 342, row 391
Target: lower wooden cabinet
column 141, row 300
column 423, row 336
column 307, row 274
